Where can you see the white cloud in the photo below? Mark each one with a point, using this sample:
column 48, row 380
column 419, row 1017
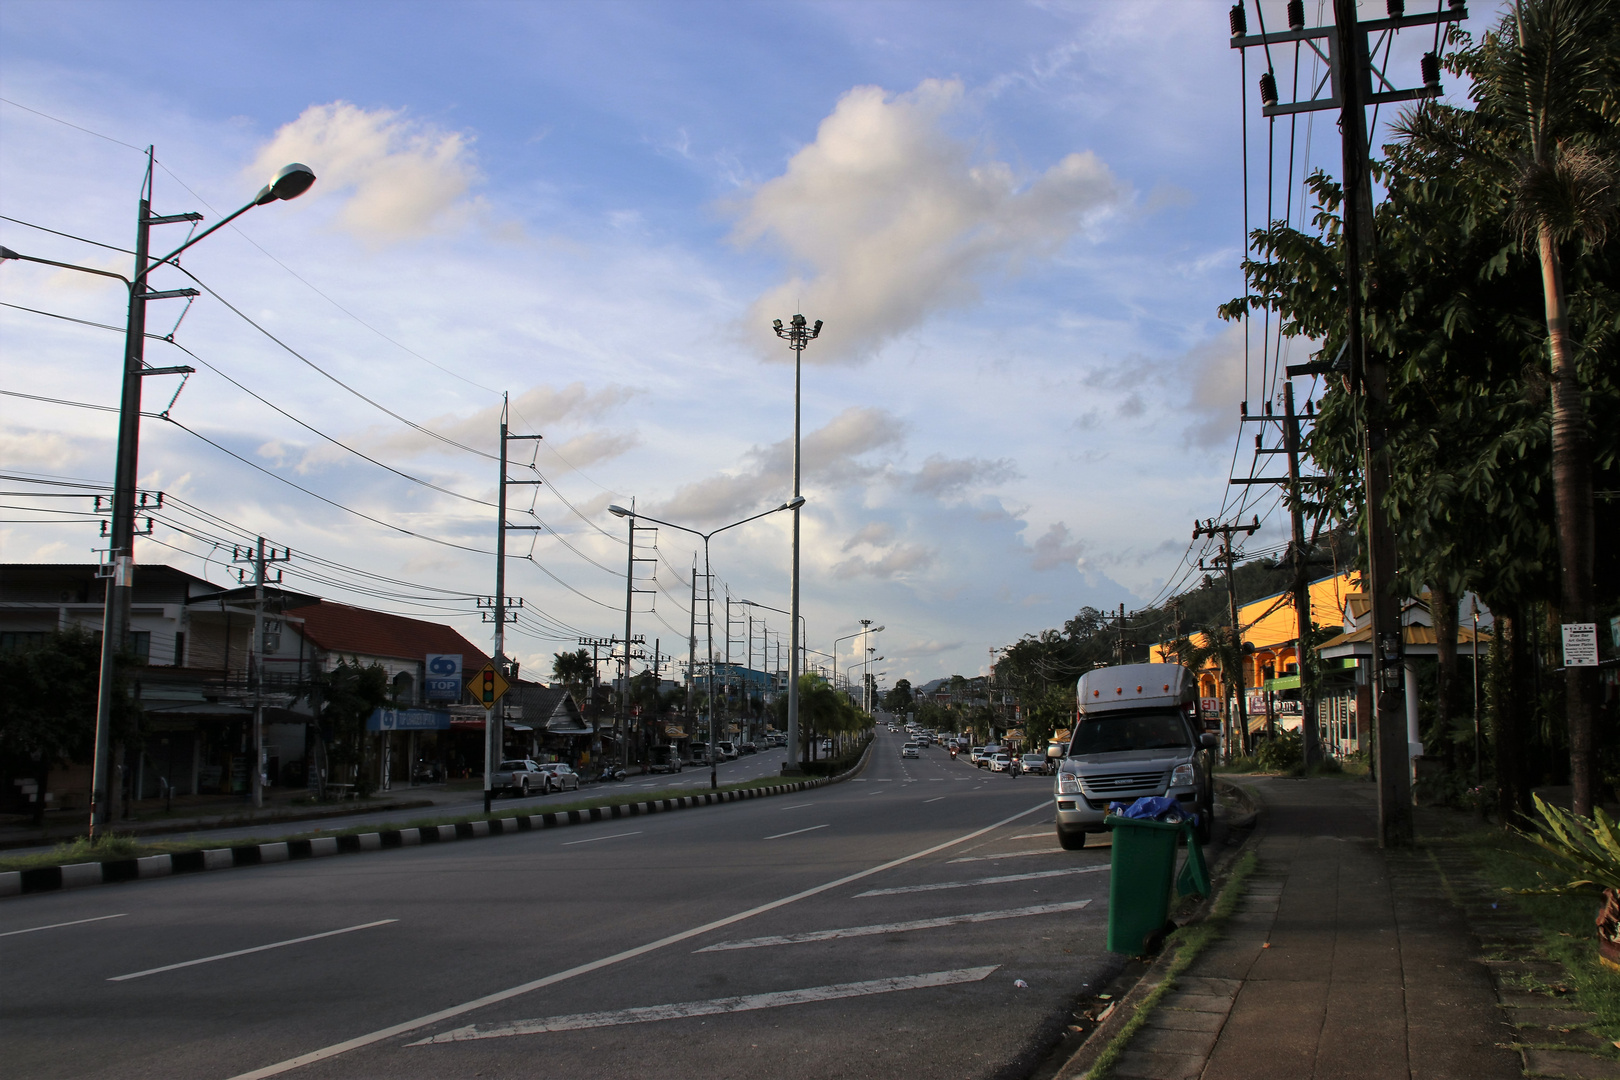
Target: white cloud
column 941, row 476
column 902, row 559
column 1055, row 548
column 399, row 177
column 890, row 217
column 1214, row 378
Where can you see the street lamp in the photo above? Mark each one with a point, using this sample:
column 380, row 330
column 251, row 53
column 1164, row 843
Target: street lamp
column 289, row 183
column 797, row 335
column 792, row 504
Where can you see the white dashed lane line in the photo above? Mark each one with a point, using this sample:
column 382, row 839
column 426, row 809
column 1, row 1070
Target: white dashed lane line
column 895, row 927
column 983, row 881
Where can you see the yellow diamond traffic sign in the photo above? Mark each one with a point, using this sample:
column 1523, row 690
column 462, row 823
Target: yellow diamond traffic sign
column 488, row 686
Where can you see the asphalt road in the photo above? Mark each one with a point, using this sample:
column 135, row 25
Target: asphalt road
column 452, row 804
column 592, row 951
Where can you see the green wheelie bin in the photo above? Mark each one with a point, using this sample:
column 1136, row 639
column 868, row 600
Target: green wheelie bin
column 1143, row 867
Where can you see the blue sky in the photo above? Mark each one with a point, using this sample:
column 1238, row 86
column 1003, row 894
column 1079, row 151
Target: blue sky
column 1015, row 219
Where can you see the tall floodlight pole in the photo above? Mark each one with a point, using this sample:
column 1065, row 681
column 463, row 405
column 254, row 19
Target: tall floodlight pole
column 291, row 182
column 708, row 577
column 797, row 335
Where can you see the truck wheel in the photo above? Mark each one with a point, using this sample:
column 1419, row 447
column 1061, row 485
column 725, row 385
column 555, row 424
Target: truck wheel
column 1071, row 839
column 524, row 793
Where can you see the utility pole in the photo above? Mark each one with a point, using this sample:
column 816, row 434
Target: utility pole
column 622, row 723
column 1351, row 67
column 494, row 608
column 691, row 647
column 1298, row 551
column 258, row 557
column 797, row 334
column 1227, row 559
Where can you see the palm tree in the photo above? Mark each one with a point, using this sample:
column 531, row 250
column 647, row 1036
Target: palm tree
column 1546, row 130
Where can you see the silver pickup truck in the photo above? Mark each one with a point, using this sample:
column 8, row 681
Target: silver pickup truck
column 1136, row 734
column 518, row 777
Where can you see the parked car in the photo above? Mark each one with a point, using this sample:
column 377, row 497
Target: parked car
column 559, row 777
column 986, row 755
column 517, row 777
column 909, row 750
column 975, row 753
column 747, row 748
column 1000, row 762
column 664, row 759
column 698, row 753
column 726, row 749
column 1034, row 763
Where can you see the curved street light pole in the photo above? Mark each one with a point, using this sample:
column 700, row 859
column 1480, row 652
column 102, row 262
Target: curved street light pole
column 797, row 334
column 291, row 182
column 619, row 511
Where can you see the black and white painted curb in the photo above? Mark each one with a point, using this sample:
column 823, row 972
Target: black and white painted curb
column 78, row 875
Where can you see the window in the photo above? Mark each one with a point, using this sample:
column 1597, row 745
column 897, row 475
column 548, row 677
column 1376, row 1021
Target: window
column 140, row 646
column 1113, row 733
column 17, row 641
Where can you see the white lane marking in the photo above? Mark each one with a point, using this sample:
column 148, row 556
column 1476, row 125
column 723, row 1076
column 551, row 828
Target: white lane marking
column 245, row 952
column 895, row 927
column 885, row 781
column 984, row 881
column 796, row 806
column 712, row 1007
column 796, row 832
column 594, row 839
column 1033, row 836
column 335, row 1049
column 55, row 925
column 936, row 798
column 859, row 780
column 1009, row 855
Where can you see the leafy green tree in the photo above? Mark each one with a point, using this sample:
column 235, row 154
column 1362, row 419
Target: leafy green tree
column 48, row 705
column 1544, row 136
column 575, row 670
column 347, row 695
column 898, row 700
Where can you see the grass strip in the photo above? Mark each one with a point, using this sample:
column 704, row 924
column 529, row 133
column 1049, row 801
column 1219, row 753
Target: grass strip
column 1188, row 942
column 1566, row 923
column 128, row 846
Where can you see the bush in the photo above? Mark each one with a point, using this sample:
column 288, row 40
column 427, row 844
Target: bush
column 1282, row 753
column 834, row 766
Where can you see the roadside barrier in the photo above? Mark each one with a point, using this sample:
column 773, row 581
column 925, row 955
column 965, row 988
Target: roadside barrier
column 113, row 871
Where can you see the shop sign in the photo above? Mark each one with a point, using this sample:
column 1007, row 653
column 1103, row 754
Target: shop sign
column 408, row 720
column 443, row 682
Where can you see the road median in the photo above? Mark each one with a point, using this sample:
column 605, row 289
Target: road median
column 57, row 873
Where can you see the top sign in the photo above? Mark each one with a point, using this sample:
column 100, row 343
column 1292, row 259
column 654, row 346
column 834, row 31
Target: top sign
column 1580, row 644
column 488, row 686
column 443, row 682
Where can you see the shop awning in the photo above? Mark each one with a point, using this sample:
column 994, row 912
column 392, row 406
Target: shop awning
column 1286, row 682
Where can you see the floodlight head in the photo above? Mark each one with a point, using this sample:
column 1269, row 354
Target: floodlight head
column 815, row 331
column 798, row 322
column 618, row 511
column 776, row 324
column 289, row 182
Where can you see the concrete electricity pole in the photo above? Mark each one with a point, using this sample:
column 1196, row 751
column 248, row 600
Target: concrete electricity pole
column 494, row 608
column 1352, row 69
column 1226, row 558
column 258, row 557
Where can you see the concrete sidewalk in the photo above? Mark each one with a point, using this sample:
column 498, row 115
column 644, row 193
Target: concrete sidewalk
column 1341, row 961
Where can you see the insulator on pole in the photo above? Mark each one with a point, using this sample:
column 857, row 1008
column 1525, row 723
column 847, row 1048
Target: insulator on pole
column 1431, row 70
column 1268, row 89
column 1239, row 20
column 1396, row 8
column 1296, row 14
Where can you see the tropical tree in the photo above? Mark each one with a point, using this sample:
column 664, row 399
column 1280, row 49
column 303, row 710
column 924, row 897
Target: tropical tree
column 575, row 670
column 898, row 699
column 1545, row 133
column 347, row 695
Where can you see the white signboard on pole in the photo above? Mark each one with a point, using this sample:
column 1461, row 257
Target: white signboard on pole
column 1580, row 644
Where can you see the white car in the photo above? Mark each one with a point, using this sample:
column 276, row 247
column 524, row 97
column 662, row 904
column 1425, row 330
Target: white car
column 909, row 750
column 1034, row 763
column 559, row 777
column 1000, row 762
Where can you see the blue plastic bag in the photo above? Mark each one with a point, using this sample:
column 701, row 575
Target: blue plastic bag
column 1151, row 808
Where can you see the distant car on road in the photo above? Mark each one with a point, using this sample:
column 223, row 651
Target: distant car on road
column 559, row 777
column 699, row 752
column 909, row 750
column 1000, row 762
column 975, row 753
column 747, row 748
column 1034, row 763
